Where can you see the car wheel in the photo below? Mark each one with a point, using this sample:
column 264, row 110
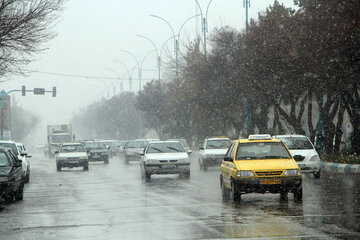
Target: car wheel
column 147, row 177
column 225, row 191
column 235, row 195
column 20, row 193
column 298, row 194
column 27, row 177
column 106, row 161
column 126, row 161
column 205, row 167
column 284, row 196
column 185, row 175
column 317, row 174
column 9, row 198
column 86, row 167
column 58, row 168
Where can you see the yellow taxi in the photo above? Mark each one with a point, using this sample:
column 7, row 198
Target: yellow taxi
column 259, row 164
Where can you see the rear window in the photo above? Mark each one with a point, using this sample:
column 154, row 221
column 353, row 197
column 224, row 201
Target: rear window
column 262, row 150
column 218, row 144
column 297, row 142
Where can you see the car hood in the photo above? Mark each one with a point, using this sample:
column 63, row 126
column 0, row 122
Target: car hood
column 166, row 156
column 307, row 153
column 215, row 151
column 4, row 171
column 72, row 155
column 268, row 164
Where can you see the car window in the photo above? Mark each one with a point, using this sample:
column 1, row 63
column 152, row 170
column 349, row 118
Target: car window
column 94, row 145
column 218, row 144
column 137, row 144
column 172, row 147
column 297, row 142
column 11, row 146
column 4, row 161
column 72, row 148
column 262, row 150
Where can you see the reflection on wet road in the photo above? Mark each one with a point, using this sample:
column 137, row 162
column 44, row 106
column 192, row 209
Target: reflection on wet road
column 112, row 202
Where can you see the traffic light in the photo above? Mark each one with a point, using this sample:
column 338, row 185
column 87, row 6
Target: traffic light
column 54, row 92
column 23, row 90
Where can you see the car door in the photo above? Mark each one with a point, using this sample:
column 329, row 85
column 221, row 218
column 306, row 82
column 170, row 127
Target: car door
column 228, row 167
column 16, row 172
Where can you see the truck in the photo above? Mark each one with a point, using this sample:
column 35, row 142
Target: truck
column 57, row 135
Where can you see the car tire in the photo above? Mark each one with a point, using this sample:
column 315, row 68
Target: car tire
column 185, row 175
column 284, row 196
column 126, row 161
column 58, row 168
column 106, row 161
column 235, row 195
column 225, row 192
column 200, row 165
column 298, row 194
column 147, row 177
column 86, row 167
column 9, row 198
column 20, row 193
column 317, row 174
column 205, row 168
column 27, row 177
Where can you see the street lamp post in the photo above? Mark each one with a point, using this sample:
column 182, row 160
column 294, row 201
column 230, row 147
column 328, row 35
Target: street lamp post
column 204, row 27
column 157, row 53
column 248, row 106
column 176, row 39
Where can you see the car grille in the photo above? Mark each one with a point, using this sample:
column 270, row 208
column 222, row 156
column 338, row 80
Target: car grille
column 268, row 173
column 167, row 161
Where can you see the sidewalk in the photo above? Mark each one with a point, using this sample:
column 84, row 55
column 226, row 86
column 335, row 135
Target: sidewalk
column 342, row 168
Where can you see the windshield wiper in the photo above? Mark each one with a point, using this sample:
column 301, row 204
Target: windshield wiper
column 273, row 157
column 248, row 158
column 157, row 149
column 175, row 149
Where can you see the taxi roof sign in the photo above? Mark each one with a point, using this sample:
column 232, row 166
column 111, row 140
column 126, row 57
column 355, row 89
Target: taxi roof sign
column 260, row 137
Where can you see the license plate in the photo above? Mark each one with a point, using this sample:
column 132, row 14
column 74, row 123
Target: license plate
column 166, row 166
column 96, row 156
column 74, row 161
column 270, row 181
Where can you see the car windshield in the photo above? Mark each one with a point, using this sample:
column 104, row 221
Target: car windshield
column 94, row 145
column 261, row 150
column 218, row 144
column 72, row 148
column 169, row 147
column 294, row 143
column 11, row 146
column 61, row 138
column 182, row 141
column 4, row 161
column 137, row 144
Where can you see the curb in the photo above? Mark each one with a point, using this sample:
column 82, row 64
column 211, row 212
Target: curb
column 341, row 168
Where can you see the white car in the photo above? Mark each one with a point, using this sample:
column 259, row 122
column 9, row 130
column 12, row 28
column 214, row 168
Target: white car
column 21, row 156
column 301, row 145
column 24, row 156
column 212, row 152
column 165, row 157
column 72, row 155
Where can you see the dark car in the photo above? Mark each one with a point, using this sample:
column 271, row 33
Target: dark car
column 11, row 176
column 97, row 151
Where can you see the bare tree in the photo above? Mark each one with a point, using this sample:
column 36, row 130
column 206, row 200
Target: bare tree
column 24, row 26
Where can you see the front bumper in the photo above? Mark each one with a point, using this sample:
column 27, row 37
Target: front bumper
column 309, row 167
column 98, row 157
column 257, row 185
column 213, row 161
column 167, row 168
column 72, row 163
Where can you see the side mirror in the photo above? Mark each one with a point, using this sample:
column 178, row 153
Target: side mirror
column 201, row 148
column 23, row 153
column 29, row 155
column 56, row 151
column 228, row 159
column 189, row 151
column 142, row 154
column 108, row 147
column 298, row 158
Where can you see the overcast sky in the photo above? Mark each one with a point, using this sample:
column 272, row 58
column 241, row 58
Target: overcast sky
column 90, row 40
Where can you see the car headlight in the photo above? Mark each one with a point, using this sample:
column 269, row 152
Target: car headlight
column 292, row 172
column 4, row 179
column 245, row 174
column 314, row 158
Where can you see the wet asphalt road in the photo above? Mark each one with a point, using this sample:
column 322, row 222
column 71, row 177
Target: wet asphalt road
column 112, row 202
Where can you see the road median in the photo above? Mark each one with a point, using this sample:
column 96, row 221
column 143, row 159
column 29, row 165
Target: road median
column 339, row 167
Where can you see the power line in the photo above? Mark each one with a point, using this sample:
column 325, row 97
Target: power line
column 82, row 76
